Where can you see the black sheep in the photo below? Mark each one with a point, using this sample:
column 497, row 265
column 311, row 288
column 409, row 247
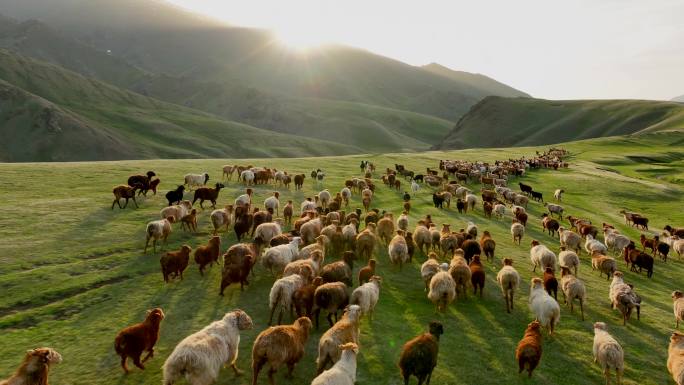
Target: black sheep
column 537, row 196
column 460, row 205
column 175, row 196
column 438, row 200
column 419, row 355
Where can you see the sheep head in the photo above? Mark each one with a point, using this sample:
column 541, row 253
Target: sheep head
column 436, row 329
column 600, row 326
column 242, row 320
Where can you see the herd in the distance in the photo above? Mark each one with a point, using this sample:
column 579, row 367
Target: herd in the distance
column 323, row 227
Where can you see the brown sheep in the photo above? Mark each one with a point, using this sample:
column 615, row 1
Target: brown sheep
column 175, row 262
column 419, row 355
column 190, row 221
column 35, row 367
column 488, row 245
column 207, row 193
column 288, row 211
column 367, row 272
column 410, row 245
column 340, row 271
column 470, row 249
column 259, row 217
column 331, row 297
column 136, row 339
column 366, row 241
column 207, row 255
column 243, row 222
column 303, row 298
column 529, row 350
column 123, row 191
column 299, row 181
column 487, row 207
column 280, row 345
column 648, row 243
column 238, row 261
column 550, row 225
column 550, row 282
column 477, row 275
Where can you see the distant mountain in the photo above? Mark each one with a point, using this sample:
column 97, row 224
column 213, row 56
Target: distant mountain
column 163, row 39
column 48, row 113
column 679, row 99
column 506, row 122
column 491, row 86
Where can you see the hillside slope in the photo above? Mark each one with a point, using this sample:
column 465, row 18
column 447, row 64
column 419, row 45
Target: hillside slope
column 491, row 86
column 138, row 127
column 679, row 99
column 496, row 121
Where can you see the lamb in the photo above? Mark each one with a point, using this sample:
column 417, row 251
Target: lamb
column 545, row 308
column 509, row 280
column 209, row 254
column 124, row 192
column 175, row 262
column 488, row 245
column 398, row 250
column 221, row 218
column 175, row 196
column 623, row 297
column 344, row 331
column 367, row 295
column 541, row 256
column 569, row 259
column 442, row 289
column 330, row 297
column 592, row 245
column 190, row 221
column 344, row 371
column 554, row 209
column 35, row 367
column 429, row 268
column 157, row 230
column 572, row 288
column 558, row 194
column 608, row 352
column 604, row 264
column 419, row 355
column 675, row 357
column 678, row 306
column 477, row 275
column 237, row 263
column 177, row 211
column 200, row 356
column 273, row 203
column 136, row 339
column 569, row 239
column 276, row 258
column 366, row 272
column 280, row 297
column 517, row 231
column 340, row 271
column 529, row 350
column 207, row 193
column 192, row 180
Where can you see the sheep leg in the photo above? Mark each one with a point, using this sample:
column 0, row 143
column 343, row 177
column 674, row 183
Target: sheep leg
column 116, row 200
column 257, row 364
column 237, row 371
column 581, row 301
column 136, row 361
column 134, row 201
column 124, row 365
column 606, row 373
column 618, row 376
column 150, row 354
column 270, row 319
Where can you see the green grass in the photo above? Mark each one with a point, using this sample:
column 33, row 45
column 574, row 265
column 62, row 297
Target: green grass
column 505, row 122
column 72, row 272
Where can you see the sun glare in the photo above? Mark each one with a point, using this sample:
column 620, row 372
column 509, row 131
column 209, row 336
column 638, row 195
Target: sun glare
column 300, row 39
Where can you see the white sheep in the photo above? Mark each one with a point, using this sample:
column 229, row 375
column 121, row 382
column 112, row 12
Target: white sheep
column 541, row 256
column 570, row 239
column 509, row 280
column 221, row 218
column 429, row 268
column 176, row 211
column 554, row 209
column 196, row 180
column 544, row 307
column 349, row 235
column 277, row 257
column 280, row 297
column 267, row 231
column 244, row 199
column 324, row 198
column 520, row 200
column 678, row 306
column 499, row 210
column 442, row 289
column 367, row 295
column 273, row 203
column 156, row 230
column 592, row 245
column 572, row 288
column 247, row 177
column 675, row 357
column 568, row 258
column 471, row 229
column 403, row 222
column 344, row 370
column 558, row 194
column 308, row 205
column 461, row 192
column 623, row 297
column 414, row 186
column 471, row 201
column 321, row 245
column 310, row 230
column 517, row 231
column 608, row 352
column 346, row 195
column 678, row 246
column 200, row 356
column 343, row 331
column 615, row 241
column 398, row 250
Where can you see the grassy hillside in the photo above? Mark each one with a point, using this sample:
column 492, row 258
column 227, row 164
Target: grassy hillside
column 492, row 86
column 82, row 276
column 163, row 39
column 496, row 122
column 143, row 127
column 679, row 99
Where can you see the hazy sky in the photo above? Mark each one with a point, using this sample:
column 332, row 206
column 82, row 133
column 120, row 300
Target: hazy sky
column 551, row 49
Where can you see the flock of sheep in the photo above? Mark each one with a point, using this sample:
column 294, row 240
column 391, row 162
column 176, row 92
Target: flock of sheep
column 305, row 285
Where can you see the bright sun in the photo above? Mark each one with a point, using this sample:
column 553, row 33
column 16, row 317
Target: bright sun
column 301, row 39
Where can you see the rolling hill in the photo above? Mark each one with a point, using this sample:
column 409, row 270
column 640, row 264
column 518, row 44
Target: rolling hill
column 497, row 121
column 679, row 99
column 48, row 109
